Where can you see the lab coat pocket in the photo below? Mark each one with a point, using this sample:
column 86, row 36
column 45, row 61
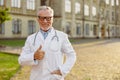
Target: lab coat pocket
column 54, row 45
column 56, row 77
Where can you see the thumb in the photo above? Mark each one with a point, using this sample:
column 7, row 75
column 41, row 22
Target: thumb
column 40, row 47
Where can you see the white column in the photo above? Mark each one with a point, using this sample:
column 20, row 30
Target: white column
column 99, row 20
column 90, row 8
column 73, row 26
column 63, row 21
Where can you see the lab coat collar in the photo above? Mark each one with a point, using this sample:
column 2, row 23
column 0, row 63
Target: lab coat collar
column 48, row 38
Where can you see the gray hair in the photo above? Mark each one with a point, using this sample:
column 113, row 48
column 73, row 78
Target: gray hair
column 45, row 8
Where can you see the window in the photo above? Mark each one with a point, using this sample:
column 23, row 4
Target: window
column 67, row 6
column 112, row 2
column 1, row 2
column 31, row 26
column 113, row 16
column 87, row 29
column 95, row 30
column 16, row 28
column 78, row 29
column 117, row 2
column 107, row 1
column 94, row 11
column 16, row 3
column 31, row 4
column 86, row 10
column 68, row 28
column 2, row 28
column 113, row 31
column 77, row 7
column 108, row 15
column 117, row 16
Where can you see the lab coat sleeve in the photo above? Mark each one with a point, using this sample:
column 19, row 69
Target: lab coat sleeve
column 27, row 55
column 70, row 56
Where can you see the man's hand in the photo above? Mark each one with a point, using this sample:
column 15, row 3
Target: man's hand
column 57, row 72
column 39, row 54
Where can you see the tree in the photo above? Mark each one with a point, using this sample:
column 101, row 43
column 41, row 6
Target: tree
column 4, row 15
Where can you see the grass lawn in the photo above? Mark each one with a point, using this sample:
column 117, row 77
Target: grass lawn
column 20, row 43
column 13, row 43
column 8, row 65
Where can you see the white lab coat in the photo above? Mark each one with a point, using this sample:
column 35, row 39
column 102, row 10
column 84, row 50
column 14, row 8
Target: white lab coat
column 53, row 60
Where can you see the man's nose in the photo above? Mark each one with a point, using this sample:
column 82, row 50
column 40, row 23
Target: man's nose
column 45, row 20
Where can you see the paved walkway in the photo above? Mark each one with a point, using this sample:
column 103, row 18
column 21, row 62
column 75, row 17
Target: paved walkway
column 12, row 50
column 96, row 60
column 99, row 61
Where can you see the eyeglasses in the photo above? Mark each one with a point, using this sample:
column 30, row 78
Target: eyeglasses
column 43, row 18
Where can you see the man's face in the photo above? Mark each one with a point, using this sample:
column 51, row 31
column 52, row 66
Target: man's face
column 45, row 19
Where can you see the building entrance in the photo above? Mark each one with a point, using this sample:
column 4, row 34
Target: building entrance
column 103, row 31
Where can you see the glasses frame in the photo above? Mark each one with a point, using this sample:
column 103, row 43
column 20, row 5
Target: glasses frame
column 45, row 18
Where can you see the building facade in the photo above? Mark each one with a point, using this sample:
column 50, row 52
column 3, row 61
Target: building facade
column 77, row 18
column 24, row 19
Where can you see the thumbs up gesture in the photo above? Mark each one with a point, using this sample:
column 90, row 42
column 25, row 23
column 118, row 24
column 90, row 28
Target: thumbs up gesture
column 39, row 54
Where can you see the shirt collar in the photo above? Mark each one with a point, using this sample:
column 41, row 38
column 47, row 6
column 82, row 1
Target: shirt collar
column 49, row 30
column 45, row 34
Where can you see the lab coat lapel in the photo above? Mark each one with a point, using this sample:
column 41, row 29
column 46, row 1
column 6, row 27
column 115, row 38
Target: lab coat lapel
column 49, row 37
column 39, row 40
